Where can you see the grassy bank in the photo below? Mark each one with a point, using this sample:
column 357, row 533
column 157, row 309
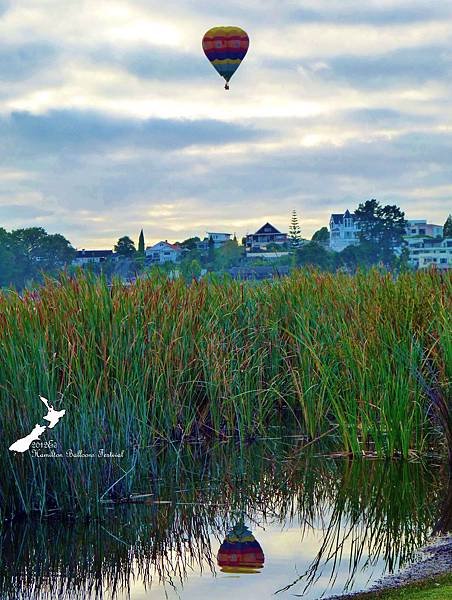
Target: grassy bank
column 438, row 588
column 354, row 361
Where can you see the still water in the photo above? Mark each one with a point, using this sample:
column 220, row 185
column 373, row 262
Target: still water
column 311, row 530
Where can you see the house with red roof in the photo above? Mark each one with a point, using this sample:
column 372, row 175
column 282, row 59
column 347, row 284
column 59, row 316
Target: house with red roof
column 163, row 252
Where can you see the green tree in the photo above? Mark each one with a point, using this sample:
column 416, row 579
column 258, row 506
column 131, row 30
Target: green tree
column 322, row 235
column 211, row 253
column 447, row 232
column 294, row 231
column 191, row 270
column 364, row 255
column 229, row 255
column 141, row 243
column 26, row 253
column 383, row 227
column 30, row 239
column 8, row 264
column 314, row 254
column 125, row 246
column 54, row 252
column 190, row 243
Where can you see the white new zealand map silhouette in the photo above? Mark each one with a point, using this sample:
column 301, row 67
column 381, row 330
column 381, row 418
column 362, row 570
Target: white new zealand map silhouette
column 52, row 416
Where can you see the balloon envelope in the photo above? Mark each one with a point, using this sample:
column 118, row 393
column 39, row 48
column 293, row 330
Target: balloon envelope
column 225, row 47
column 240, row 552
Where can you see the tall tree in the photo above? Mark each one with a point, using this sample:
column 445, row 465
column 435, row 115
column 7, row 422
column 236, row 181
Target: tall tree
column 211, row 252
column 321, row 236
column 381, row 226
column 141, row 243
column 125, row 246
column 294, row 231
column 447, row 232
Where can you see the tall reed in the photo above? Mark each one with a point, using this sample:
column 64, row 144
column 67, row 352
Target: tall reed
column 159, row 360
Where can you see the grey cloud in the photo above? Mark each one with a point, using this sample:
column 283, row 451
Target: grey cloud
column 19, row 211
column 352, row 13
column 62, row 132
column 315, row 178
column 154, row 63
column 20, row 62
column 412, row 66
column 415, row 66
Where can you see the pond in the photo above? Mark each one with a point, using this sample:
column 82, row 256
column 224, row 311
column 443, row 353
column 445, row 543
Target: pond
column 252, row 527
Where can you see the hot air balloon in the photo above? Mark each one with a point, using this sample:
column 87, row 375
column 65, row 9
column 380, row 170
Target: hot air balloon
column 240, row 552
column 225, row 47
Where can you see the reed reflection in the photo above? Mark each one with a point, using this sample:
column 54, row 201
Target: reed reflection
column 362, row 512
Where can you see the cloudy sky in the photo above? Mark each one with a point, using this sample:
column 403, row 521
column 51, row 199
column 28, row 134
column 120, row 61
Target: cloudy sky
column 112, row 119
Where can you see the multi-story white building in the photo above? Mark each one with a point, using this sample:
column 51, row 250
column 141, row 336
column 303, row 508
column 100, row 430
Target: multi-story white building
column 218, row 240
column 344, row 229
column 426, row 252
column 163, row 252
column 421, row 227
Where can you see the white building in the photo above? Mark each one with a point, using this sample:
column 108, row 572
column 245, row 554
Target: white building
column 163, row 252
column 427, row 252
column 421, row 227
column 85, row 257
column 344, row 229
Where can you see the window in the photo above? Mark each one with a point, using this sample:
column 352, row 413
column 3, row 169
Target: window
column 421, row 231
column 413, row 231
column 443, row 261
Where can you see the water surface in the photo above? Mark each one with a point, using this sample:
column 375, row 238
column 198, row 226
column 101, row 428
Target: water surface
column 257, row 528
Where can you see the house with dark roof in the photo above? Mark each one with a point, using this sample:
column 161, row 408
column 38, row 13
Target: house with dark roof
column 344, row 230
column 267, row 234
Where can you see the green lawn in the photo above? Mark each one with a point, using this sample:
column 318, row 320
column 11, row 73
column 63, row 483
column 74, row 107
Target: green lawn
column 434, row 589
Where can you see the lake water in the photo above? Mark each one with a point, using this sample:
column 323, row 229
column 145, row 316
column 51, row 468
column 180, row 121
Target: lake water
column 275, row 529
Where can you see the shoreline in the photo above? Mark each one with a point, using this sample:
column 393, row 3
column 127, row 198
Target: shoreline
column 435, row 562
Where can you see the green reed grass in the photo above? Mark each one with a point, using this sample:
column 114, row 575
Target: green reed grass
column 160, row 359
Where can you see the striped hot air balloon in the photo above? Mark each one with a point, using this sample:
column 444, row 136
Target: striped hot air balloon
column 240, row 552
column 225, row 47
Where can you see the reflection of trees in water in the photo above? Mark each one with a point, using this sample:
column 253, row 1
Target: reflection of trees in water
column 379, row 510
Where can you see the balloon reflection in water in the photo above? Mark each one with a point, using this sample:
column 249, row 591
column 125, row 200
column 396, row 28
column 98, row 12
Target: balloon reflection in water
column 240, row 552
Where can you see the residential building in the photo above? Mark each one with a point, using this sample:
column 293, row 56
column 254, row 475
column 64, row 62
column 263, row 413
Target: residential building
column 344, row 230
column 218, row 239
column 421, row 227
column 84, row 257
column 266, row 235
column 427, row 252
column 163, row 252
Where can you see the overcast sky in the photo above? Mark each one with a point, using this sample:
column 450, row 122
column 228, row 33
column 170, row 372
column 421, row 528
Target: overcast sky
column 112, row 119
